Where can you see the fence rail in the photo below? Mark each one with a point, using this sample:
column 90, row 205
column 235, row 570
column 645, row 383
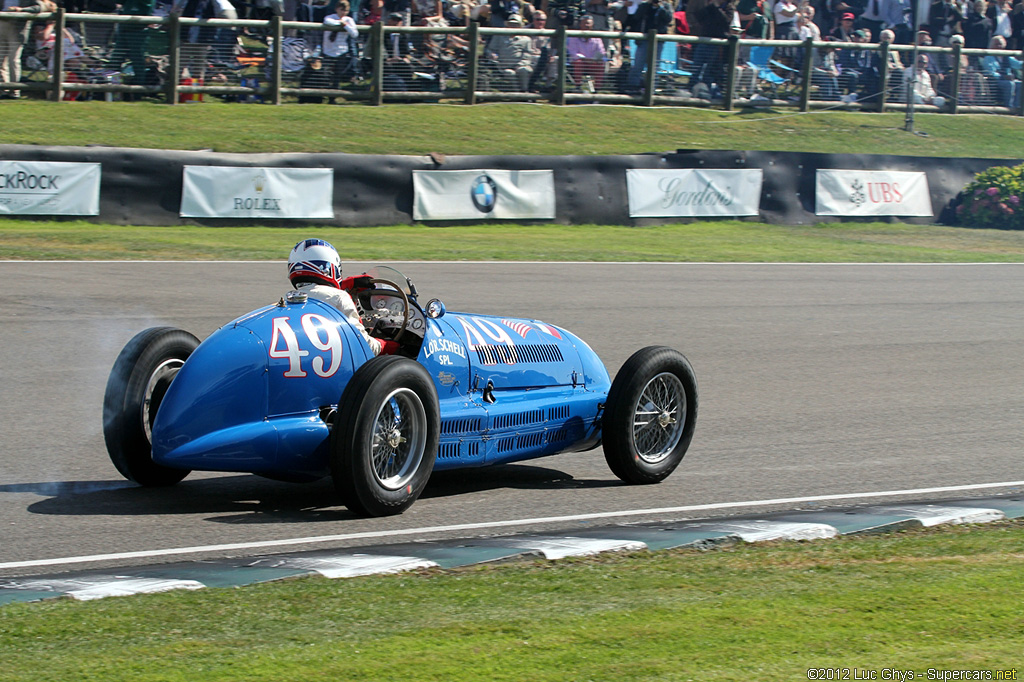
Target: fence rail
column 174, row 60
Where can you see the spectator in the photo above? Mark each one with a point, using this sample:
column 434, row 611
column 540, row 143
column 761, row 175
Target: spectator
column 340, row 48
column 785, row 12
column 543, row 61
column 1003, row 73
column 195, row 40
column 427, row 9
column 978, row 28
column 826, row 73
column 854, row 66
column 600, row 13
column 513, row 55
column 397, row 55
column 563, row 12
column 895, row 64
column 650, row 15
column 844, row 31
column 501, row 10
column 921, row 83
column 99, row 35
column 716, row 18
column 1016, row 40
column 13, row 36
column 875, row 17
column 370, row 12
column 752, row 20
column 586, row 56
column 805, row 26
column 403, row 7
column 944, row 19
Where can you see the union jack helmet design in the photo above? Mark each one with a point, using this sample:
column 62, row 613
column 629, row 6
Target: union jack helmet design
column 314, row 260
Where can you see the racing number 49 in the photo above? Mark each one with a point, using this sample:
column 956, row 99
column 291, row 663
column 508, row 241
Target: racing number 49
column 314, row 327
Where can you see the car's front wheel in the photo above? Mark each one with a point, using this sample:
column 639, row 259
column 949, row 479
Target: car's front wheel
column 384, row 439
column 138, row 382
column 650, row 415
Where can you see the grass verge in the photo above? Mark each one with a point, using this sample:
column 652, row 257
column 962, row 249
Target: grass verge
column 725, row 241
column 941, row 599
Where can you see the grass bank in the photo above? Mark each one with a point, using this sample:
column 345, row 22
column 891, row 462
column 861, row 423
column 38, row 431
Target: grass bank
column 917, row 600
column 724, row 241
column 532, row 129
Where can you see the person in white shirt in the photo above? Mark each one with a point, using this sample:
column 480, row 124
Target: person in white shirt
column 340, row 47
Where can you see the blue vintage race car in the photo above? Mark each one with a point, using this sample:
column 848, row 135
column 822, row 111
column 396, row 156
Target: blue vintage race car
column 293, row 392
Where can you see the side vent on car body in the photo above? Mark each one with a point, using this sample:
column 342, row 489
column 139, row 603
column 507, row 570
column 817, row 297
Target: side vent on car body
column 491, row 354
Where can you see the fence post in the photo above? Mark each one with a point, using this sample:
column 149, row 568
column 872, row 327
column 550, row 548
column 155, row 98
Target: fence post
column 730, row 76
column 1020, row 92
column 377, row 76
column 650, row 78
column 954, row 106
column 473, row 68
column 563, row 66
column 883, row 76
column 173, row 57
column 277, row 31
column 806, row 71
column 58, row 56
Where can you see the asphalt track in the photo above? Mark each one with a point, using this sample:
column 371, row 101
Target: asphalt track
column 817, row 382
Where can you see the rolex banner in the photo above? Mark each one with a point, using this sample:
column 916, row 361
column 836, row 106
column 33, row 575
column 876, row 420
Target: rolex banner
column 484, row 194
column 49, row 188
column 693, row 192
column 238, row 192
column 872, row 193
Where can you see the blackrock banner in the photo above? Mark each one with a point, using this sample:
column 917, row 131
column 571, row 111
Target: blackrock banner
column 872, row 193
column 49, row 188
column 476, row 194
column 238, row 192
column 688, row 193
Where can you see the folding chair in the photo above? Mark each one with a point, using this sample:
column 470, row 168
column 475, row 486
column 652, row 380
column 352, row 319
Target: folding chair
column 761, row 63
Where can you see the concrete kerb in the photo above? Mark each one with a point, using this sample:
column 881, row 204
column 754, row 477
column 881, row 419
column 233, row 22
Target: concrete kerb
column 447, row 554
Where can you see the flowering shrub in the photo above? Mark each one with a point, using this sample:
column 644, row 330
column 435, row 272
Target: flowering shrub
column 993, row 199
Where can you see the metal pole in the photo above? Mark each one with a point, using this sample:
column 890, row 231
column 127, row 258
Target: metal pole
column 908, row 122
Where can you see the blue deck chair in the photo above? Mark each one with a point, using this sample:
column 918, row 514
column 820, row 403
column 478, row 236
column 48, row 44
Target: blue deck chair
column 761, row 61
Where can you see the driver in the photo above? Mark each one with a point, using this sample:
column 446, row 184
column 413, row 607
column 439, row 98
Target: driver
column 314, row 268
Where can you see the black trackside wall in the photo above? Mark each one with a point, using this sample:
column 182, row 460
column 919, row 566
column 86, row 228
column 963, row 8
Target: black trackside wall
column 143, row 186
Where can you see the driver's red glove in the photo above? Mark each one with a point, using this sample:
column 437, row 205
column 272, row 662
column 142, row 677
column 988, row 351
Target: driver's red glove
column 388, row 347
column 358, row 282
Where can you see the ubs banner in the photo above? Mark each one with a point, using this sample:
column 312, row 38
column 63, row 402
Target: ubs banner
column 693, row 192
column 476, row 194
column 49, row 188
column 241, row 192
column 872, row 193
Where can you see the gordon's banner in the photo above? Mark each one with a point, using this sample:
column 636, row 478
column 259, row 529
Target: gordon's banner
column 476, row 194
column 872, row 193
column 693, row 192
column 49, row 188
column 239, row 192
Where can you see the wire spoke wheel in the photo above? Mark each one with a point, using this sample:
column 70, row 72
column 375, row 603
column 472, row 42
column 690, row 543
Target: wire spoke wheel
column 659, row 417
column 650, row 415
column 398, row 439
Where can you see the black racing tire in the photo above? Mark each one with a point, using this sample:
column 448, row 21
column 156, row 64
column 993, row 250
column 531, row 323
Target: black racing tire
column 650, row 415
column 138, row 382
column 385, row 436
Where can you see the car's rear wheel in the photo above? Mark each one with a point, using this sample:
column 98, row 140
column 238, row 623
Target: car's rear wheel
column 650, row 415
column 384, row 439
column 138, row 382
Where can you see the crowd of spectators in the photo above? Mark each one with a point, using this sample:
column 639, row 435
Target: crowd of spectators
column 338, row 55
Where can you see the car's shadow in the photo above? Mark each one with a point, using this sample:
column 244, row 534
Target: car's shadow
column 251, row 499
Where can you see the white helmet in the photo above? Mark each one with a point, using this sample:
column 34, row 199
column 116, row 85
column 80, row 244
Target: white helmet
column 316, row 261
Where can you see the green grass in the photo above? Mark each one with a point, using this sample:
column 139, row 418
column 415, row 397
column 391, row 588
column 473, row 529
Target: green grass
column 942, row 599
column 725, row 241
column 500, row 129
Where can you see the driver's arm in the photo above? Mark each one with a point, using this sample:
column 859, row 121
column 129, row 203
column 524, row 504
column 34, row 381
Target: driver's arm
column 343, row 302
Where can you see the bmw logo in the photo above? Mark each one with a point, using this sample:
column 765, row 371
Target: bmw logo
column 484, row 193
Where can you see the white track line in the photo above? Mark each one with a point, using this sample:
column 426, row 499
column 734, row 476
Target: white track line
column 381, row 535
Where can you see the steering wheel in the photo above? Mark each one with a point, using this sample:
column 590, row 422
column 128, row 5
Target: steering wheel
column 397, row 292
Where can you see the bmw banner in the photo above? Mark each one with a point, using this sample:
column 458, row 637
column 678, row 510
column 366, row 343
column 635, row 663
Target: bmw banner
column 693, row 192
column 872, row 193
column 483, row 194
column 49, row 188
column 241, row 192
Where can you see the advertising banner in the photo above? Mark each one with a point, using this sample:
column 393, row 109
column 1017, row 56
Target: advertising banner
column 693, row 192
column 238, row 192
column 872, row 193
column 476, row 194
column 49, row 188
